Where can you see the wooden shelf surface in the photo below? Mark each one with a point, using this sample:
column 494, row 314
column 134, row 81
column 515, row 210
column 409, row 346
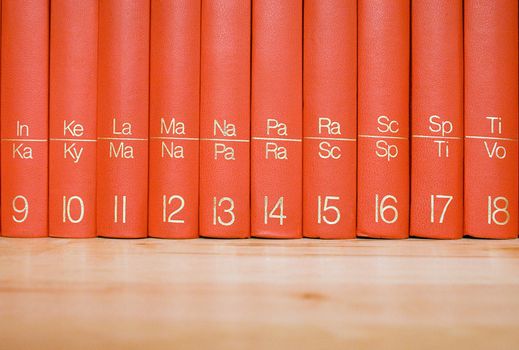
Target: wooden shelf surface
column 232, row 294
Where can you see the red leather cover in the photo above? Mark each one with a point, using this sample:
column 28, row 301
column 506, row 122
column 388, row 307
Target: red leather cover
column 122, row 154
column 383, row 122
column 276, row 112
column 174, row 115
column 437, row 119
column 225, row 119
column 73, row 110
column 330, row 118
column 24, row 118
column 491, row 114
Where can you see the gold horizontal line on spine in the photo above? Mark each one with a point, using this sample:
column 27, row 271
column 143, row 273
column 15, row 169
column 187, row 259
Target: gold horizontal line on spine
column 224, row 140
column 122, row 139
column 437, row 137
column 25, row 140
column 384, row 137
column 167, row 138
column 490, row 138
column 276, row 139
column 73, row 140
column 329, row 138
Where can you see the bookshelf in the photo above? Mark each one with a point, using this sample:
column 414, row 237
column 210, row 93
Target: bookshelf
column 227, row 294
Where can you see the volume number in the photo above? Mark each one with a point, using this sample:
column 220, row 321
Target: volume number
column 67, row 209
column 277, row 211
column 226, row 206
column 170, row 201
column 498, row 210
column 434, row 198
column 324, row 206
column 388, row 213
column 20, row 206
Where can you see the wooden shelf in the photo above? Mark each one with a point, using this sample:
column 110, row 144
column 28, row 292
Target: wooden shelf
column 227, row 294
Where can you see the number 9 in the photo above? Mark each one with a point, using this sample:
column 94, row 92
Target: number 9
column 24, row 210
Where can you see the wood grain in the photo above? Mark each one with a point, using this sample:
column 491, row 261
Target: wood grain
column 230, row 294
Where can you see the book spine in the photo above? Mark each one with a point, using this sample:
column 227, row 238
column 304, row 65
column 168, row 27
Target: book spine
column 174, row 118
column 276, row 149
column 437, row 119
column 330, row 118
column 73, row 110
column 122, row 154
column 225, row 119
column 24, row 113
column 491, row 119
column 383, row 122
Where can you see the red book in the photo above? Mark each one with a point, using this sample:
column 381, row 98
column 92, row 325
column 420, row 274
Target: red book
column 383, row 122
column 24, row 113
column 437, row 119
column 225, row 119
column 122, row 124
column 491, row 114
column 330, row 118
column 277, row 119
column 174, row 114
column 73, row 110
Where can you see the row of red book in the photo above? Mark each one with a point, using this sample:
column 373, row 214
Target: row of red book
column 263, row 118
